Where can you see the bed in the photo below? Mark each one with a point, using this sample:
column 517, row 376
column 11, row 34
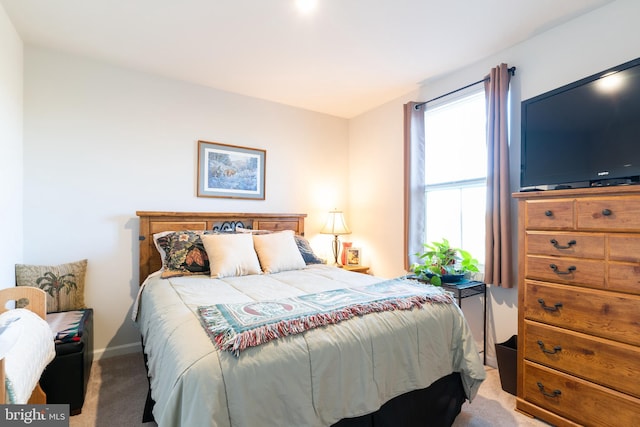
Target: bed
column 391, row 366
column 26, row 345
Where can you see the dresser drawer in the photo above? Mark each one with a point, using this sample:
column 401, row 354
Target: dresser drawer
column 551, row 215
column 601, row 313
column 624, row 247
column 603, row 361
column 580, row 245
column 624, row 277
column 578, row 400
column 575, row 271
column 624, row 263
column 606, row 213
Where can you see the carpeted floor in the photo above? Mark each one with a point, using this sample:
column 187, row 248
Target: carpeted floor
column 494, row 407
column 118, row 386
column 116, row 393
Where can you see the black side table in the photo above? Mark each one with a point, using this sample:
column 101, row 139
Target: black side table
column 467, row 288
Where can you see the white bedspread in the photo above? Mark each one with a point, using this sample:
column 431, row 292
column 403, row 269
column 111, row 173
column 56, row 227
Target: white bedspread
column 26, row 343
column 311, row 379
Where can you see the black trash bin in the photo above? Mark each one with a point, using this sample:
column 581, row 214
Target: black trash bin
column 507, row 355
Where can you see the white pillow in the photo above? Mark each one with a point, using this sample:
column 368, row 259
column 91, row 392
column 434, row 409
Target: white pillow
column 231, row 255
column 278, row 252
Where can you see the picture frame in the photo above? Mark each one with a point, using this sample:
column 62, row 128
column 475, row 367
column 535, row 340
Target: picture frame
column 230, row 171
column 354, row 256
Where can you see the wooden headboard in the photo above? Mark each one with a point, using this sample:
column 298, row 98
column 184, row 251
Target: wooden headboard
column 156, row 222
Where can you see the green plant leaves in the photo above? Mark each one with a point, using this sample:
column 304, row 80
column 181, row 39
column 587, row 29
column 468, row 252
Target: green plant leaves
column 440, row 258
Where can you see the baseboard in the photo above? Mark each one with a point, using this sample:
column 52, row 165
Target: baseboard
column 492, row 361
column 119, row 350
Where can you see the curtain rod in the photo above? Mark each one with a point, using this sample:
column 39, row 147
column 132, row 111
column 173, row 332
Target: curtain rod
column 511, row 70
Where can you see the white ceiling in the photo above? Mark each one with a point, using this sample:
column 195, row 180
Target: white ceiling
column 347, row 57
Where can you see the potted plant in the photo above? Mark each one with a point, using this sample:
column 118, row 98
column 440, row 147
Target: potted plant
column 441, row 262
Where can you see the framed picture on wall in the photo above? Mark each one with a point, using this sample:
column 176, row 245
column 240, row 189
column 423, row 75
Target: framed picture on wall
column 353, row 256
column 230, row 171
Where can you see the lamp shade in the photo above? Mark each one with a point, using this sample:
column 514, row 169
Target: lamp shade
column 336, row 224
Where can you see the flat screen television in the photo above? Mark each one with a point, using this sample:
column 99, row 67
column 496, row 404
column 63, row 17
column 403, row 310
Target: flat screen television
column 584, row 134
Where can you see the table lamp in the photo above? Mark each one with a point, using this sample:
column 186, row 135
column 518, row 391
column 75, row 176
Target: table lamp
column 335, row 225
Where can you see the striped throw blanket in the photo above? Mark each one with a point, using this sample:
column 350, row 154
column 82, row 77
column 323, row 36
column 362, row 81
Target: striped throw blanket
column 237, row 326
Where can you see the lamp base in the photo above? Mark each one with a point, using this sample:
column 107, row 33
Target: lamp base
column 335, row 245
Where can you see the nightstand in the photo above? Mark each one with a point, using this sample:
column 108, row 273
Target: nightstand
column 467, row 288
column 357, row 268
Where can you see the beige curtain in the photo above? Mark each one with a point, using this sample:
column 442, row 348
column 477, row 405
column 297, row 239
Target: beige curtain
column 498, row 264
column 414, row 197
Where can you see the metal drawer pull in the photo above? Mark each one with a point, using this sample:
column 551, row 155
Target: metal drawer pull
column 570, row 243
column 556, row 306
column 544, row 350
column 606, row 212
column 570, row 270
column 548, row 213
column 555, row 393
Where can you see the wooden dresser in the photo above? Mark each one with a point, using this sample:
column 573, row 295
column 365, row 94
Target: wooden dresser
column 579, row 306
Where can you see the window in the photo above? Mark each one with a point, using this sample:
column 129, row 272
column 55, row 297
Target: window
column 456, row 172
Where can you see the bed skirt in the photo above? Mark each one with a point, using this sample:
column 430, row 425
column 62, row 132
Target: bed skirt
column 436, row 406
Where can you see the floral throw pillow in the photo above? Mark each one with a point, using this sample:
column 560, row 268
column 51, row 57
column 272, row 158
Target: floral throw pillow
column 307, row 253
column 64, row 284
column 184, row 254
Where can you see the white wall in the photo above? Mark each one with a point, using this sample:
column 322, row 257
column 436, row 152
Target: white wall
column 376, row 198
column 11, row 99
column 102, row 142
column 593, row 42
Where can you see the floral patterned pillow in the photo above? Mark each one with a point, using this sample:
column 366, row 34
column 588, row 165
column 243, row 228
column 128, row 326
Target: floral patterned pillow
column 307, row 253
column 184, row 254
column 64, row 284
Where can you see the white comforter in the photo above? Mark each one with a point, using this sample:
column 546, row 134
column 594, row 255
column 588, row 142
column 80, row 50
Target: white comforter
column 311, row 379
column 26, row 344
